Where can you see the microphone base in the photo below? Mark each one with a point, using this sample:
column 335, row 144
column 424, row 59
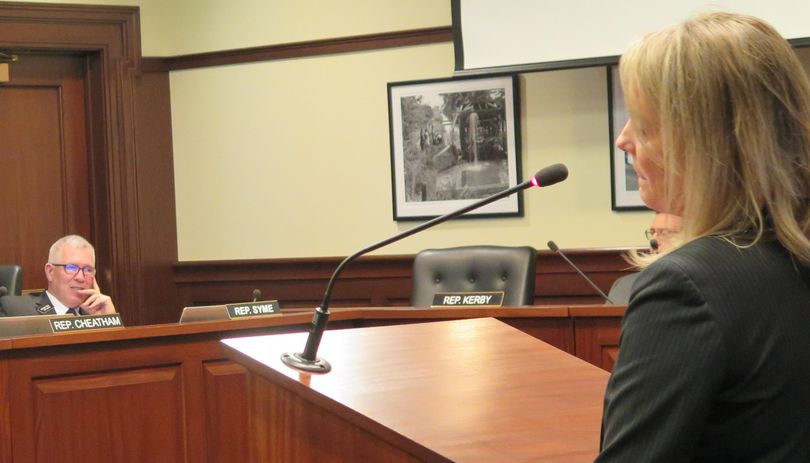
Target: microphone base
column 295, row 360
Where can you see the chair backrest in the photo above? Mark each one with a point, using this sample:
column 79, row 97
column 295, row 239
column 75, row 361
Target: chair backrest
column 475, row 268
column 16, row 306
column 621, row 289
column 11, row 278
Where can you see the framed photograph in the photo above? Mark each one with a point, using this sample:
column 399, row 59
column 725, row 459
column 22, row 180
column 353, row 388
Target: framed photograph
column 454, row 141
column 623, row 180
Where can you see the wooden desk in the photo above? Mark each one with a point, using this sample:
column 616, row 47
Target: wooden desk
column 167, row 392
column 596, row 333
column 472, row 390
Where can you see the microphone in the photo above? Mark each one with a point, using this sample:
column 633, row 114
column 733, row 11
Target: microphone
column 308, row 360
column 3, row 291
column 654, row 244
column 257, row 293
column 553, row 246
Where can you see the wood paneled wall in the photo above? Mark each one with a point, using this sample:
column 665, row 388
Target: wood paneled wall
column 375, row 281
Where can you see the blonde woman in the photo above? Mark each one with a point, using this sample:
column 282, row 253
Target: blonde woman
column 714, row 358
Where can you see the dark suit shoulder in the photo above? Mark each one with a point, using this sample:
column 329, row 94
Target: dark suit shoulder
column 715, row 340
column 709, row 253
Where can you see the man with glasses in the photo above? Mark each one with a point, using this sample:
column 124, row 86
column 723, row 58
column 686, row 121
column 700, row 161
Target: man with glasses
column 72, row 287
column 663, row 230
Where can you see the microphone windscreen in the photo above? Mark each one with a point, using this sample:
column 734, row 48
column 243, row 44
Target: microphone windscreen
column 654, row 244
column 3, row 291
column 553, row 246
column 550, row 175
column 257, row 294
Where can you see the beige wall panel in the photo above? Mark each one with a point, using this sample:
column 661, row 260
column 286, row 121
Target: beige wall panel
column 291, row 159
column 180, row 27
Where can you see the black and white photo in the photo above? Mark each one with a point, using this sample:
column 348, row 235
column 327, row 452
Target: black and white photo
column 453, row 141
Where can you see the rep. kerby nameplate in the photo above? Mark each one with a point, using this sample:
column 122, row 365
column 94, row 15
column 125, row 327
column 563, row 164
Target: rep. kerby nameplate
column 86, row 323
column 253, row 309
column 468, row 299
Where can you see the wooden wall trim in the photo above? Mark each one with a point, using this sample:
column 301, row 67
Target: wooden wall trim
column 300, row 49
column 376, row 281
column 40, row 19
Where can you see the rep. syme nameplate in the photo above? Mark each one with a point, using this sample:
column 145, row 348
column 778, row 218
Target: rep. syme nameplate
column 86, row 323
column 253, row 309
column 468, row 299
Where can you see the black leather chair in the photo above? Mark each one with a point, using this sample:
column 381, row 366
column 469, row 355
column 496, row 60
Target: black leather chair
column 15, row 306
column 621, row 289
column 475, row 268
column 11, row 278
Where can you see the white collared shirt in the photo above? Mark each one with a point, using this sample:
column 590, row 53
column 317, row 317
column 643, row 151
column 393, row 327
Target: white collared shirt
column 61, row 309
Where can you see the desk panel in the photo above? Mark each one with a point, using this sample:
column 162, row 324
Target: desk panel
column 596, row 333
column 226, row 411
column 113, row 408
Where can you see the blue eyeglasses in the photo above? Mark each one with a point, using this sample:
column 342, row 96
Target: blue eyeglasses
column 73, row 269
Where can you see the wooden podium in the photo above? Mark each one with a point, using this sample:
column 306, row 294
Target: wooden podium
column 463, row 390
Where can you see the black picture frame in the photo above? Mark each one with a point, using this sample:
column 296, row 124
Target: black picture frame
column 454, row 141
column 624, row 194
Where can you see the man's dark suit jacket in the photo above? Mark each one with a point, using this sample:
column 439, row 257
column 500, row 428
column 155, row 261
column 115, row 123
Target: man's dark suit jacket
column 35, row 304
column 714, row 359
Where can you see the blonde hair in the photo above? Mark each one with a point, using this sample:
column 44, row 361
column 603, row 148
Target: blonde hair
column 731, row 104
column 75, row 241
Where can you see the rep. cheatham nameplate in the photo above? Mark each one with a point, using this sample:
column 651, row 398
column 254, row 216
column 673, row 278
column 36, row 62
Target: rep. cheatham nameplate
column 86, row 323
column 468, row 299
column 253, row 309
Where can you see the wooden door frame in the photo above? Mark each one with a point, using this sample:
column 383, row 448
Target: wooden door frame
column 110, row 38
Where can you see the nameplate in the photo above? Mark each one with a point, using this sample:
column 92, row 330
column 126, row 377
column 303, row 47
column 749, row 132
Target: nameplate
column 469, row 299
column 86, row 323
column 253, row 309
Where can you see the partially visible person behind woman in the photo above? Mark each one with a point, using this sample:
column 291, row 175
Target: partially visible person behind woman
column 714, row 357
column 662, row 233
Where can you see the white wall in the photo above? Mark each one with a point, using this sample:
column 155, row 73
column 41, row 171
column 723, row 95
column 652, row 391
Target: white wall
column 291, row 158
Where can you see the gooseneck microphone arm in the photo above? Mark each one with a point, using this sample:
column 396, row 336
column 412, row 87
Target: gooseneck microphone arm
column 553, row 246
column 307, row 360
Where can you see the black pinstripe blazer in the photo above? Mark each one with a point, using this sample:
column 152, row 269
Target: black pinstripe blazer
column 714, row 360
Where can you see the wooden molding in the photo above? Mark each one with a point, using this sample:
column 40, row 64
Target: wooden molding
column 300, row 49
